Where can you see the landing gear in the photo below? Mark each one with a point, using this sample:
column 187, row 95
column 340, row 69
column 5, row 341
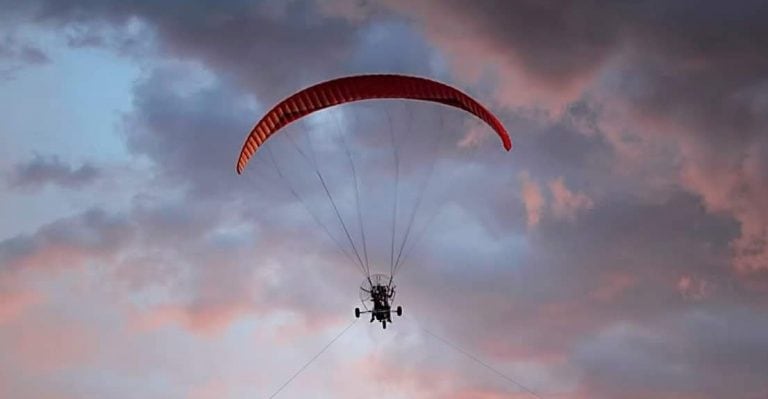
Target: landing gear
column 399, row 310
column 384, row 324
column 357, row 313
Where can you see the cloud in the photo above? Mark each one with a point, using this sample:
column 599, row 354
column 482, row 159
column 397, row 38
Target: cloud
column 14, row 303
column 613, row 285
column 693, row 288
column 565, row 203
column 230, row 37
column 622, row 359
column 214, row 269
column 215, row 388
column 734, row 185
column 637, row 182
column 533, row 199
column 206, row 318
column 38, row 349
column 66, row 243
column 41, row 171
column 576, row 281
column 673, row 74
column 16, row 53
column 192, row 139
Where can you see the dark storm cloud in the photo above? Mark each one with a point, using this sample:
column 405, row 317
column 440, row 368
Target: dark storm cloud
column 269, row 48
column 559, row 42
column 41, row 171
column 267, row 45
column 192, row 139
column 691, row 74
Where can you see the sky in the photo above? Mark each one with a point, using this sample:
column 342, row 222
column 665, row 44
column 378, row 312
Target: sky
column 620, row 250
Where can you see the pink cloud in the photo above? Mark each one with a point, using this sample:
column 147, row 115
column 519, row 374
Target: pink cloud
column 68, row 243
column 212, row 389
column 57, row 256
column 694, row 288
column 205, row 318
column 612, row 285
column 541, row 333
column 432, row 378
column 565, row 203
column 473, row 138
column 475, row 48
column 414, row 382
column 477, row 393
column 738, row 188
column 669, row 152
column 44, row 345
column 15, row 302
column 532, row 199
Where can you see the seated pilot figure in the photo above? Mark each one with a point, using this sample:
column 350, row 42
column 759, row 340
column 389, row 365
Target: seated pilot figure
column 376, row 302
column 379, row 294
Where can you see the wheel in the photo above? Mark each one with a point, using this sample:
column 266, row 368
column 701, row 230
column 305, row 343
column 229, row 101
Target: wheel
column 384, row 324
column 357, row 313
column 399, row 310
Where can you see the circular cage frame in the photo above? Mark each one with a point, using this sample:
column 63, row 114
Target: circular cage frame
column 367, row 285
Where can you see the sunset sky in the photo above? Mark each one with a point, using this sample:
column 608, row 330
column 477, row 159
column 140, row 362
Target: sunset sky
column 620, row 250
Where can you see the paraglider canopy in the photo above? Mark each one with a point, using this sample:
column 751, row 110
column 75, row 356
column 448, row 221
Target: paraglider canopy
column 352, row 89
column 358, row 88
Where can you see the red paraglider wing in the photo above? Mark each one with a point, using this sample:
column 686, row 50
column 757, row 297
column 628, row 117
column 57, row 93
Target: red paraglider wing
column 358, row 88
